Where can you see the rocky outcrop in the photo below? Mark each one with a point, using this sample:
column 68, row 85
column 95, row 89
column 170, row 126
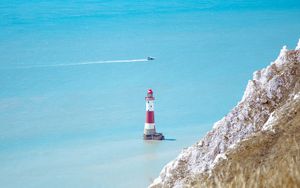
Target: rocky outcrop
column 266, row 94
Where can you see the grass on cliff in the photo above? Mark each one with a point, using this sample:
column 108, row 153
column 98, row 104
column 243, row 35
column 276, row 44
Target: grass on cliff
column 283, row 171
column 264, row 160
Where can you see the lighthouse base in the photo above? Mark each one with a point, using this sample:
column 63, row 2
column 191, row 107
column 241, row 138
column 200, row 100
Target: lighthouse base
column 155, row 136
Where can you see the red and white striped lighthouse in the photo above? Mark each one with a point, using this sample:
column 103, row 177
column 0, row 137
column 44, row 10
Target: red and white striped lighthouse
column 149, row 124
column 149, row 129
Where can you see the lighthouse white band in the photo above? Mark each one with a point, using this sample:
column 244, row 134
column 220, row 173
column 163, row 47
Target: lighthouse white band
column 150, row 106
column 149, row 125
column 149, row 129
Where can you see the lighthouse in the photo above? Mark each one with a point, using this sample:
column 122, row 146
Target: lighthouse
column 149, row 129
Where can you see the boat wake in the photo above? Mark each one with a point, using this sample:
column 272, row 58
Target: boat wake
column 82, row 63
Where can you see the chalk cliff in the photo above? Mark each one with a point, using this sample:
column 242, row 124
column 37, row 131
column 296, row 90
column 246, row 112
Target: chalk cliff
column 270, row 106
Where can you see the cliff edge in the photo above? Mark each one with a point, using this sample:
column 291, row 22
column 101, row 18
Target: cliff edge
column 259, row 135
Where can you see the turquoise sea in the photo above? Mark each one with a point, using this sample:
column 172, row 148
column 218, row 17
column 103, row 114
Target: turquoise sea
column 81, row 126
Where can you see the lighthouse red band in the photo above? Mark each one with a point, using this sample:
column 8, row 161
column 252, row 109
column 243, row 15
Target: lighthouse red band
column 150, row 123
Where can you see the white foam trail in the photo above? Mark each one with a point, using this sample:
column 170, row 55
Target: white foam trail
column 85, row 63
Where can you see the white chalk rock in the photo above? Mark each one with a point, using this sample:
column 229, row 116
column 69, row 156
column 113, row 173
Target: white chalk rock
column 264, row 94
column 298, row 45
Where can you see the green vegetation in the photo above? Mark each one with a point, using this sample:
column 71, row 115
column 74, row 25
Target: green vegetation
column 266, row 159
